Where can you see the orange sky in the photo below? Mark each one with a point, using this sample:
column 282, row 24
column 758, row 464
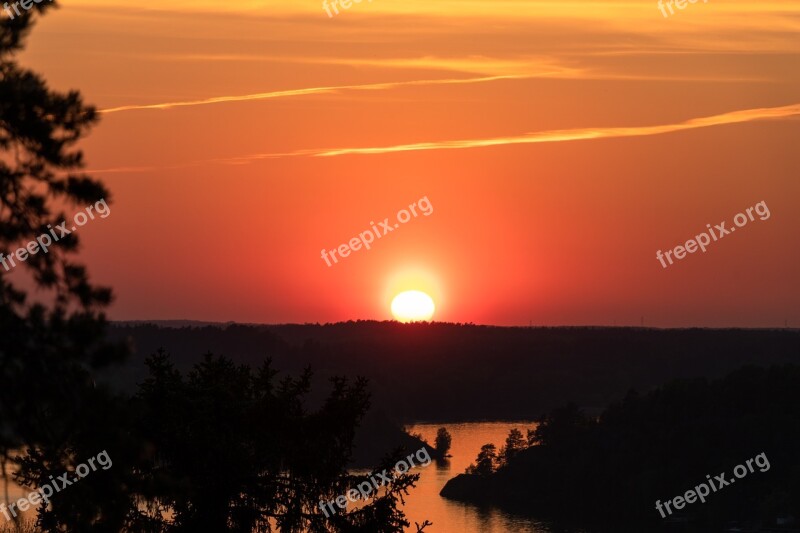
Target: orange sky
column 561, row 144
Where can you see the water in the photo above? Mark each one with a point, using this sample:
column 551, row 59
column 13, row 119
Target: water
column 424, row 502
column 447, row 516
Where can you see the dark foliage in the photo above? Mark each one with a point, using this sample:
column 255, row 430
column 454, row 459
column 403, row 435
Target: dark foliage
column 443, row 441
column 49, row 348
column 518, row 373
column 655, row 447
column 235, row 449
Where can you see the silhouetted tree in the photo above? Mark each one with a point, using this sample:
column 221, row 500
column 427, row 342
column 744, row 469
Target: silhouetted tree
column 49, row 349
column 515, row 443
column 531, row 437
column 236, row 450
column 486, row 462
column 561, row 427
column 443, row 441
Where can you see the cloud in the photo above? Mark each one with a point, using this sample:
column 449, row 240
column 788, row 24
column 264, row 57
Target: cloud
column 307, row 91
column 550, row 136
column 488, row 69
column 552, row 71
column 733, row 117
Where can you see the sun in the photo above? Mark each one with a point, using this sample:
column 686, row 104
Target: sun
column 412, row 306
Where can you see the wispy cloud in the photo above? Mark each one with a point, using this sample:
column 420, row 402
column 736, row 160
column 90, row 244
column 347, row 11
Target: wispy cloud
column 133, row 170
column 488, row 70
column 550, row 136
column 303, row 92
column 733, row 117
column 555, row 72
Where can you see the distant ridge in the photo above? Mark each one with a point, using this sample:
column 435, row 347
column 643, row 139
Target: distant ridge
column 450, row 372
column 180, row 323
column 172, row 323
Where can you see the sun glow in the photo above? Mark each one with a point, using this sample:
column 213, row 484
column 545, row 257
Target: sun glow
column 412, row 306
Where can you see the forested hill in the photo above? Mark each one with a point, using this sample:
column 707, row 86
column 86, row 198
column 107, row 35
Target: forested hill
column 432, row 372
column 642, row 452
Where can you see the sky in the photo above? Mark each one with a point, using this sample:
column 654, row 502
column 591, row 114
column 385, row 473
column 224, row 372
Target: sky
column 559, row 145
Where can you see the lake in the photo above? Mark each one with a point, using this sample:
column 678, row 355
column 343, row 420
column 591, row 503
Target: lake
column 424, row 502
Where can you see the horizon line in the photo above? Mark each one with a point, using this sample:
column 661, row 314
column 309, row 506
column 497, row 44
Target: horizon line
column 440, row 323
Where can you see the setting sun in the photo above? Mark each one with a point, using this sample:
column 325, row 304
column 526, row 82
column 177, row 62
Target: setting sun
column 412, row 306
